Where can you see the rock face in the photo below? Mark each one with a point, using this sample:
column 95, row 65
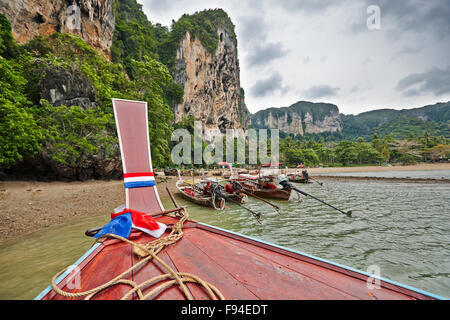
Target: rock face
column 212, row 92
column 66, row 87
column 93, row 20
column 300, row 118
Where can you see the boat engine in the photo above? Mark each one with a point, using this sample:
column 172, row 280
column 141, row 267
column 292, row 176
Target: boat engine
column 284, row 182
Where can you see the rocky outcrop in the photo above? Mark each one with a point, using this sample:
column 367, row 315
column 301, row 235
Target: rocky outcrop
column 289, row 123
column 92, row 20
column 46, row 169
column 68, row 87
column 211, row 82
column 329, row 123
column 300, row 118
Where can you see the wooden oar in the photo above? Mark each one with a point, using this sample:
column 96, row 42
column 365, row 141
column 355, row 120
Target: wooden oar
column 288, row 185
column 255, row 214
column 172, row 198
column 348, row 213
column 263, row 200
column 321, row 183
column 256, row 197
column 217, row 189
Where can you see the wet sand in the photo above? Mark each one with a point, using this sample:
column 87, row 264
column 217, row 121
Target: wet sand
column 28, row 206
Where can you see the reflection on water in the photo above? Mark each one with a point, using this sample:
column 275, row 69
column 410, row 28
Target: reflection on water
column 403, row 228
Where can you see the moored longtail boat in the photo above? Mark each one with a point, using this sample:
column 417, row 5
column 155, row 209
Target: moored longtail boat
column 210, row 193
column 195, row 260
column 199, row 193
column 234, row 194
column 263, row 187
column 298, row 178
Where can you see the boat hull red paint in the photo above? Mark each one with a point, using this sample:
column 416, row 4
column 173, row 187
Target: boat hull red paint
column 240, row 267
column 277, row 194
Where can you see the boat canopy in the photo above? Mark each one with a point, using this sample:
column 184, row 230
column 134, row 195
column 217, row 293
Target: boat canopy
column 272, row 164
column 248, row 176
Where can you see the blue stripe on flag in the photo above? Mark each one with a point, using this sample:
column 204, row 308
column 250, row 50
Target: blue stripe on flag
column 139, row 184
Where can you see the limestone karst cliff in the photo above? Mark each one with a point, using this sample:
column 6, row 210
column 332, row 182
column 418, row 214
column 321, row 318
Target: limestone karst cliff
column 300, row 118
column 211, row 82
column 92, row 20
column 209, row 74
column 61, row 81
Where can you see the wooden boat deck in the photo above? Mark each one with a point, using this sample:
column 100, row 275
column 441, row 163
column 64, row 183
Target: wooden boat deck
column 240, row 267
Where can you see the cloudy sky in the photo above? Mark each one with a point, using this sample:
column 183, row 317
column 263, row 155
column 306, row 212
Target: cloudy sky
column 358, row 54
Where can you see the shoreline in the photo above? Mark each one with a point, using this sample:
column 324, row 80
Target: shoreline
column 29, row 206
column 382, row 179
column 414, row 167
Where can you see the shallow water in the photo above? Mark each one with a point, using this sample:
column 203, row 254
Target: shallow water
column 418, row 174
column 403, row 228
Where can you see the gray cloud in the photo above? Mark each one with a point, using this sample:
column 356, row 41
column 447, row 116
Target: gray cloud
column 310, row 6
column 253, row 32
column 418, row 15
column 407, row 15
column 411, row 93
column 406, row 51
column 157, row 5
column 252, row 29
column 267, row 86
column 436, row 81
column 262, row 55
column 413, row 33
column 321, row 91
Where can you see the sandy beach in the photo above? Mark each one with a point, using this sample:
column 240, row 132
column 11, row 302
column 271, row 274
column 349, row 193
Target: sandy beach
column 32, row 205
column 28, row 206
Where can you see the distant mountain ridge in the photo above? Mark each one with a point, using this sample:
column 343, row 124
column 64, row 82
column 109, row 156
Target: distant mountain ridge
column 308, row 118
column 300, row 118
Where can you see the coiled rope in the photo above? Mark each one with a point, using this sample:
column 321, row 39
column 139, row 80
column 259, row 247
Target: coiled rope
column 149, row 253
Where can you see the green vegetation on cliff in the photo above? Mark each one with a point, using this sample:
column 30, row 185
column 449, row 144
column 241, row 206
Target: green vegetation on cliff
column 19, row 134
column 135, row 36
column 55, row 103
column 434, row 119
column 204, row 25
column 70, row 135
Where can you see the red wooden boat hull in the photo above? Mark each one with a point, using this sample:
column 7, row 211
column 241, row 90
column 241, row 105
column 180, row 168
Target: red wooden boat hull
column 278, row 194
column 240, row 267
column 298, row 180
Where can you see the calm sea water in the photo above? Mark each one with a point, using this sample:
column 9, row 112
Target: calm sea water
column 402, row 228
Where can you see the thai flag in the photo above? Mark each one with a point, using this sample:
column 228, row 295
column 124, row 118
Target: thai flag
column 139, row 179
column 123, row 220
